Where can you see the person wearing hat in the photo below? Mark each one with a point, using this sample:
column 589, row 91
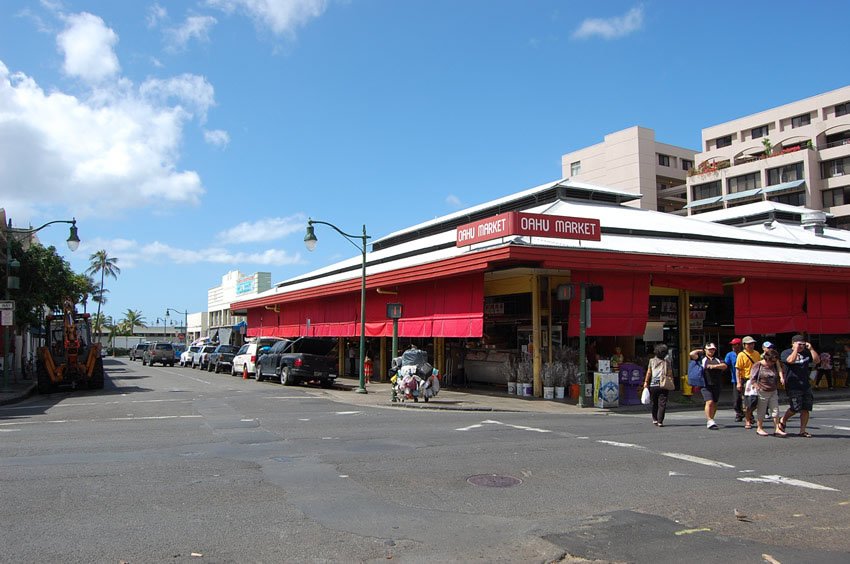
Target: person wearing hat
column 713, row 369
column 731, row 359
column 798, row 360
column 746, row 359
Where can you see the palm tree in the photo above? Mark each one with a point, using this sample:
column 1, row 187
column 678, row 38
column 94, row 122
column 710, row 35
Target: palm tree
column 87, row 289
column 101, row 262
column 132, row 318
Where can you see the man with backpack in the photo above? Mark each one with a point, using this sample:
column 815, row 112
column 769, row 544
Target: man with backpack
column 712, row 369
column 747, row 358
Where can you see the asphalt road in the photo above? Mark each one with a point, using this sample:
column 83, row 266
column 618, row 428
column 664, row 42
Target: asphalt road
column 174, row 464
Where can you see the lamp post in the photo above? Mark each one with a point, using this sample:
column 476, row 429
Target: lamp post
column 73, row 244
column 310, row 242
column 185, row 315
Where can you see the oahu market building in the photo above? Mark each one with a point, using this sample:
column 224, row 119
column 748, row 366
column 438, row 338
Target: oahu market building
column 485, row 284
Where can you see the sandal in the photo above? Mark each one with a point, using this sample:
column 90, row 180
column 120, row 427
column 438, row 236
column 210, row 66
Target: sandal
column 806, row 434
column 781, row 427
column 748, row 425
column 762, row 433
column 780, row 434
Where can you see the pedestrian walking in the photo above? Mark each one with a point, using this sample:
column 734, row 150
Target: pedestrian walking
column 713, row 369
column 766, row 375
column 797, row 361
column 825, row 369
column 659, row 380
column 746, row 359
column 731, row 359
column 367, row 367
column 352, row 360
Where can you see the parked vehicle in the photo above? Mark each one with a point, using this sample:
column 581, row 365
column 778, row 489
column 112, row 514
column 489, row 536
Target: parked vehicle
column 179, row 349
column 186, row 356
column 246, row 356
column 68, row 358
column 201, row 357
column 158, row 352
column 302, row 360
column 221, row 358
column 138, row 351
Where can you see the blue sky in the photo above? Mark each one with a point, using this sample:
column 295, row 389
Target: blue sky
column 190, row 138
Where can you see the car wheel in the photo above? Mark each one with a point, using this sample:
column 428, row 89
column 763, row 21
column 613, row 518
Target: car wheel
column 326, row 383
column 217, row 368
column 286, row 376
column 144, row 362
column 209, row 367
column 258, row 373
column 233, row 370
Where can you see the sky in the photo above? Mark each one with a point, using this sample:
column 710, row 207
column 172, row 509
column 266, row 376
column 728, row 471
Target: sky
column 190, row 138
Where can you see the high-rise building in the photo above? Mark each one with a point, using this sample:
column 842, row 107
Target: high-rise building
column 794, row 154
column 633, row 161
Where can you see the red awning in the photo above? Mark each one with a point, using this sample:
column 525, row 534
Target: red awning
column 769, row 306
column 623, row 311
column 701, row 284
column 828, row 308
column 450, row 307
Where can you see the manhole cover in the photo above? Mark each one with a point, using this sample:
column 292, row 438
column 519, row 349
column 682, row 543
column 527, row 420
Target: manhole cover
column 493, row 481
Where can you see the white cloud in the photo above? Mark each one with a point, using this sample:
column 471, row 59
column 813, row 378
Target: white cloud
column 216, row 137
column 454, row 201
column 88, row 46
column 611, row 28
column 267, row 229
column 195, row 27
column 156, row 14
column 282, row 17
column 133, row 254
column 193, row 91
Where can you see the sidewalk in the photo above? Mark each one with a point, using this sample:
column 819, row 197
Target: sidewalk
column 16, row 391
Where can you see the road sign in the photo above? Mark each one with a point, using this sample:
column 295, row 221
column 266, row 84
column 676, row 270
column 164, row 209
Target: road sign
column 7, row 304
column 7, row 317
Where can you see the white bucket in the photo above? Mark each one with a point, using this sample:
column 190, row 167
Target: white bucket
column 511, row 387
column 559, row 392
column 526, row 389
column 548, row 392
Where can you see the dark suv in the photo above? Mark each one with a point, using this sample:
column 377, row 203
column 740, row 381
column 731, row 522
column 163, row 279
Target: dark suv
column 137, row 352
column 159, row 352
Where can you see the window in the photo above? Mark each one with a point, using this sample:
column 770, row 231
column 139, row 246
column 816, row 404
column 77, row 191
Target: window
column 723, row 141
column 795, row 199
column 787, row 173
column 687, row 165
column 836, row 197
column 835, row 167
column 575, row 168
column 842, row 109
column 663, row 160
column 800, row 121
column 744, row 182
column 707, row 190
column 759, row 132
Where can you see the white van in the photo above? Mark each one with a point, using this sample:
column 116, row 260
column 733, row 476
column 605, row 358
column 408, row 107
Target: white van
column 246, row 356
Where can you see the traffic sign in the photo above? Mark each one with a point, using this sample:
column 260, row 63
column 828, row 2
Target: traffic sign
column 7, row 304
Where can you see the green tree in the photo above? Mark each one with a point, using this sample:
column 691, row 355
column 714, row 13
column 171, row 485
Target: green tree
column 101, row 263
column 46, row 281
column 88, row 288
column 132, row 318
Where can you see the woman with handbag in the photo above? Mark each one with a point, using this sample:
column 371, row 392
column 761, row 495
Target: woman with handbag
column 765, row 376
column 659, row 382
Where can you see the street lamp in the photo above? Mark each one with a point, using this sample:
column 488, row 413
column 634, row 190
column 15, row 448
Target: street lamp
column 185, row 321
column 310, row 242
column 73, row 244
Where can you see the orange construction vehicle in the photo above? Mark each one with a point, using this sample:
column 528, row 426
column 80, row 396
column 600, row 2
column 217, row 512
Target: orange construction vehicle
column 69, row 358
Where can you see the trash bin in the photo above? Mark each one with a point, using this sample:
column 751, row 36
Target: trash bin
column 631, row 380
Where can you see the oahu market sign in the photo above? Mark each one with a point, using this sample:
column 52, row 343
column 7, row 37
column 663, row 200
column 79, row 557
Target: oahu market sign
column 529, row 225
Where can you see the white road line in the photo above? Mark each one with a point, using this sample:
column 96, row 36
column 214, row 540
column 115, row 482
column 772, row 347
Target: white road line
column 199, row 380
column 476, row 426
column 493, row 422
column 8, row 430
column 696, row 460
column 51, row 406
column 837, row 427
column 788, row 482
column 17, row 423
column 290, row 397
column 348, row 412
column 624, row 445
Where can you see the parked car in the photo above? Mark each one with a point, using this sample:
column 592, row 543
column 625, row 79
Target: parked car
column 201, row 357
column 159, row 352
column 138, row 351
column 179, row 349
column 296, row 361
column 246, row 356
column 221, row 358
column 186, row 356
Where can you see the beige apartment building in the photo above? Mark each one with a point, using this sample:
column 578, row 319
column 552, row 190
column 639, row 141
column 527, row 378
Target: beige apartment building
column 794, row 154
column 633, row 161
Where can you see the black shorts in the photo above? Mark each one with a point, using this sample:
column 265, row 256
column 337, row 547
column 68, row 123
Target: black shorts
column 750, row 402
column 800, row 400
column 711, row 393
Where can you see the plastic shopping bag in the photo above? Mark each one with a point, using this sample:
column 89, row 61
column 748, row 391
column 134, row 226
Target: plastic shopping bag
column 644, row 396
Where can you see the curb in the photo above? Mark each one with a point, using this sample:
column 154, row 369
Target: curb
column 15, row 397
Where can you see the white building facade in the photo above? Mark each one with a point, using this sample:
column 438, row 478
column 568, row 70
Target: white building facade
column 235, row 286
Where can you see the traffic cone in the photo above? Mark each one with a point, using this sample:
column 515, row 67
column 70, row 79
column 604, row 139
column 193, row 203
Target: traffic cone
column 244, row 371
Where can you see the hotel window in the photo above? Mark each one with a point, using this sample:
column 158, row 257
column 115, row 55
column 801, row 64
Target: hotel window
column 575, row 168
column 787, row 173
column 837, row 197
column 687, row 165
column 707, row 190
column 800, row 121
column 759, row 132
column 835, row 167
column 842, row 109
column 744, row 182
column 795, row 199
column 724, row 141
column 663, row 160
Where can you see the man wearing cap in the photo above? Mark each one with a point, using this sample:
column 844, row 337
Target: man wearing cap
column 730, row 360
column 746, row 359
column 713, row 369
column 797, row 362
